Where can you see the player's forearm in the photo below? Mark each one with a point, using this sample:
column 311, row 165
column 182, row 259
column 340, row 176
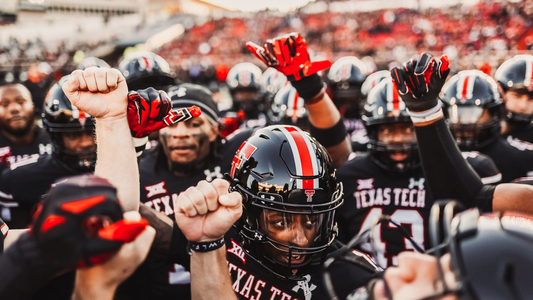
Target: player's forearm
column 210, row 278
column 117, row 161
column 513, row 197
column 89, row 289
column 447, row 173
column 329, row 128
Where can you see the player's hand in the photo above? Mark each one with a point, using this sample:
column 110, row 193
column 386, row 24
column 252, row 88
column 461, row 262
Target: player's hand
column 288, row 54
column 150, row 110
column 80, row 222
column 100, row 92
column 419, row 81
column 207, row 211
column 120, row 266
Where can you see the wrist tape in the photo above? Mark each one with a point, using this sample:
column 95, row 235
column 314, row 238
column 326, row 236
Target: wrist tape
column 140, row 145
column 426, row 116
column 308, row 87
column 328, row 137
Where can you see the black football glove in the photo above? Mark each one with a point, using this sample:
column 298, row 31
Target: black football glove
column 419, row 81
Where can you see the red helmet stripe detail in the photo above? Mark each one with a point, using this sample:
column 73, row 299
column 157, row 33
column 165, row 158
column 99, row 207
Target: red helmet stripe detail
column 147, row 63
column 395, row 99
column 465, row 88
column 295, row 103
column 243, row 153
column 304, row 157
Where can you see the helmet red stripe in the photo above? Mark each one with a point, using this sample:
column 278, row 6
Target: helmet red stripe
column 465, row 87
column 305, row 156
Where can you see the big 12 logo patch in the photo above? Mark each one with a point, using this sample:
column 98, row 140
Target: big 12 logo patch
column 243, row 154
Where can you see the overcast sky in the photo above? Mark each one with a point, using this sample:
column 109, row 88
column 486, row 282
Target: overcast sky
column 253, row 5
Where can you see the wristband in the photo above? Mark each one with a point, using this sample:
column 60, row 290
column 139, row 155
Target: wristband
column 205, row 246
column 308, row 87
column 140, row 145
column 434, row 116
column 328, row 137
column 424, row 113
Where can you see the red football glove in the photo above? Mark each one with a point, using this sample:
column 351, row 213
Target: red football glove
column 150, row 110
column 288, row 54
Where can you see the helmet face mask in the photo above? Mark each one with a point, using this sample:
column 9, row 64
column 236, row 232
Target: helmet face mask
column 290, row 194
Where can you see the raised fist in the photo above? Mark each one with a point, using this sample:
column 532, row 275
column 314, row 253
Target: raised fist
column 288, row 54
column 100, row 92
column 150, row 110
column 419, row 81
column 207, row 211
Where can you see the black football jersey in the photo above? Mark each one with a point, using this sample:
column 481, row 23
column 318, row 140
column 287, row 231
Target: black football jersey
column 370, row 191
column 524, row 134
column 22, row 155
column 21, row 188
column 251, row 280
column 513, row 157
column 160, row 188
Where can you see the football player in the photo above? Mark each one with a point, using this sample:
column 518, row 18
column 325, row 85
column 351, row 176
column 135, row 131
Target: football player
column 389, row 179
column 21, row 140
column 73, row 153
column 419, row 83
column 287, row 229
column 473, row 109
column 516, row 87
column 345, row 79
column 244, row 83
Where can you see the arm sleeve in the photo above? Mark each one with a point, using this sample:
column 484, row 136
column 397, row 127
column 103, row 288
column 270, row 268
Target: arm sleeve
column 447, row 173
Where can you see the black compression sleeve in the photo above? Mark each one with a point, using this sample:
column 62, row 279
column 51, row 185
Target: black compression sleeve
column 329, row 137
column 447, row 173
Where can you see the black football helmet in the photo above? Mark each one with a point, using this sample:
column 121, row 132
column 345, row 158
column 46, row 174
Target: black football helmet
column 345, row 78
column 146, row 69
column 60, row 116
column 468, row 97
column 285, row 176
column 288, row 108
column 273, row 80
column 372, row 80
column 384, row 106
column 244, row 82
column 516, row 74
column 92, row 62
